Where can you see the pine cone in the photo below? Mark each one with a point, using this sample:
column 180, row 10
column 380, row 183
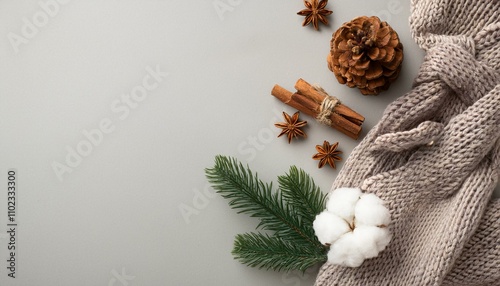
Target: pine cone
column 366, row 53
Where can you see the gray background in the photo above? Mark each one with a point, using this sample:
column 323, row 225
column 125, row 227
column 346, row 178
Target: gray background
column 120, row 210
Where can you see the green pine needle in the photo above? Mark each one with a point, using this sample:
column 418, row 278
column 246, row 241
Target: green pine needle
column 248, row 194
column 263, row 251
column 300, row 191
column 289, row 213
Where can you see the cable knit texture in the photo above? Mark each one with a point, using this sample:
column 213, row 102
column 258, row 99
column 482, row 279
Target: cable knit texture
column 434, row 157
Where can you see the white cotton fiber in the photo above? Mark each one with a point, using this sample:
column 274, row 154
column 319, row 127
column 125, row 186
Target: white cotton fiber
column 370, row 210
column 370, row 240
column 362, row 238
column 355, row 225
column 342, row 202
column 328, row 227
column 383, row 238
column 343, row 252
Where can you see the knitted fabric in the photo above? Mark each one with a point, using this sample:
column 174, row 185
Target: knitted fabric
column 434, row 157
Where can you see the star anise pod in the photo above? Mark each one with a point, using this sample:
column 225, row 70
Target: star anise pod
column 292, row 126
column 315, row 12
column 327, row 154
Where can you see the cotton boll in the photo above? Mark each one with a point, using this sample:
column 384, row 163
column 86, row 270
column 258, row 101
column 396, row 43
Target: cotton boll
column 383, row 238
column 363, row 239
column 328, row 227
column 342, row 202
column 354, row 259
column 343, row 252
column 348, row 207
column 370, row 240
column 370, row 210
column 371, row 199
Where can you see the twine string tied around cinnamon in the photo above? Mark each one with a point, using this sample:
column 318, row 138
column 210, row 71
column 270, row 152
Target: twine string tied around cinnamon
column 327, row 106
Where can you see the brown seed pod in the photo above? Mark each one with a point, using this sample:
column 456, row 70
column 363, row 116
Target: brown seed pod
column 366, row 53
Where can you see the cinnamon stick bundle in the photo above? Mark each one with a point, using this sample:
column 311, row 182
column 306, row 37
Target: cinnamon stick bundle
column 310, row 100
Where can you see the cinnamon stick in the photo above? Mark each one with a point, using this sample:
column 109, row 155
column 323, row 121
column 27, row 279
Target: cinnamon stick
column 309, row 106
column 308, row 90
column 349, row 114
column 308, row 100
column 345, row 126
column 343, row 118
column 286, row 97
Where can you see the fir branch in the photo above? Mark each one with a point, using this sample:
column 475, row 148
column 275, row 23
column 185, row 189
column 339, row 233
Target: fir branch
column 248, row 194
column 263, row 251
column 288, row 212
column 300, row 191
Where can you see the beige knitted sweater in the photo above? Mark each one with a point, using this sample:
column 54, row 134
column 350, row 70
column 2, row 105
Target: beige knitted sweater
column 435, row 157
